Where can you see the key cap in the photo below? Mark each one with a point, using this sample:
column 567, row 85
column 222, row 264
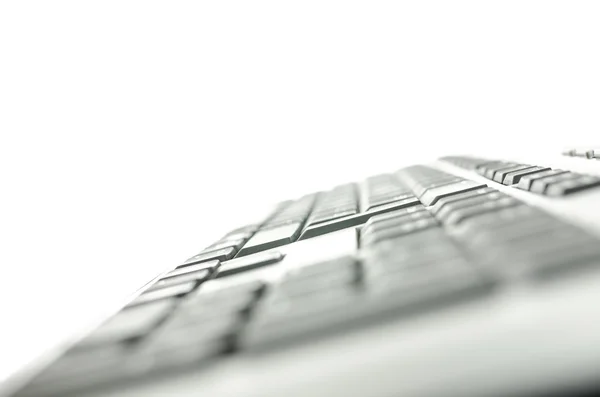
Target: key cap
column 246, row 263
column 355, row 220
column 130, row 323
column 499, row 175
column 540, row 185
column 514, row 177
column 329, row 216
column 163, row 293
column 421, row 187
column 526, row 181
column 394, row 214
column 221, row 255
column 236, row 244
column 491, row 171
column 431, row 196
column 478, row 200
column 399, row 231
column 208, row 265
column 169, row 281
column 489, row 206
column 487, row 170
column 271, row 238
column 227, row 294
column 386, row 199
column 382, row 224
column 572, row 185
column 441, row 203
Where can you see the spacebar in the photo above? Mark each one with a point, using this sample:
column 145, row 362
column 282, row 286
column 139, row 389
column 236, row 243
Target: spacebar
column 355, row 220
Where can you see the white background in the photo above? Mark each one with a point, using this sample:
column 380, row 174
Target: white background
column 133, row 133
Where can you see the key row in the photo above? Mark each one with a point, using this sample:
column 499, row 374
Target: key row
column 507, row 236
column 532, row 178
column 583, row 153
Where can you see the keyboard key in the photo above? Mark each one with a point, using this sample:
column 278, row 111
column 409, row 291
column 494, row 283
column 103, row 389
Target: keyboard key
column 461, row 214
column 526, row 181
column 130, row 323
column 514, row 177
column 246, row 263
column 394, row 232
column 490, row 171
column 398, row 214
column 431, row 196
column 572, row 185
column 169, row 281
column 329, row 216
column 208, row 265
column 205, row 256
column 355, row 220
column 499, row 175
column 271, row 238
column 163, row 293
column 540, row 185
column 466, row 202
column 219, row 245
column 441, row 203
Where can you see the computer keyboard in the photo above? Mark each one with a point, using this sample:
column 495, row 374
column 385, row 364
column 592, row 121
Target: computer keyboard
column 410, row 241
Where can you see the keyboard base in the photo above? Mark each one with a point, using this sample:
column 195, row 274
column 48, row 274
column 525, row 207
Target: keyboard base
column 522, row 340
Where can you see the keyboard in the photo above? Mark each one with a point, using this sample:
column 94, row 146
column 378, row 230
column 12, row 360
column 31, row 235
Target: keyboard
column 391, row 247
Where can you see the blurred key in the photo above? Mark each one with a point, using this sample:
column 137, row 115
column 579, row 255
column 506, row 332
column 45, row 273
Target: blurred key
column 355, row 220
column 526, row 181
column 514, row 177
column 499, row 175
column 250, row 262
column 540, row 185
column 208, row 265
column 220, row 254
column 271, row 238
column 572, row 185
column 157, row 295
column 131, row 323
column 431, row 196
column 169, row 281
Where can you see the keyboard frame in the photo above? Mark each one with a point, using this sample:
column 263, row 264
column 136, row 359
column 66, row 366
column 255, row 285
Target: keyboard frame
column 522, row 314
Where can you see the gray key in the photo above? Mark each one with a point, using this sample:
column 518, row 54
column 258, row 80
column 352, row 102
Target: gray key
column 489, row 206
column 329, row 216
column 271, row 238
column 168, row 281
column 431, row 196
column 382, row 200
column 441, row 203
column 526, row 181
column 221, row 255
column 209, row 265
column 572, row 185
column 382, row 224
column 394, row 215
column 355, row 220
column 514, row 177
column 174, row 291
column 500, row 174
column 130, row 323
column 449, row 208
column 421, row 187
column 491, row 171
column 246, row 263
column 398, row 231
column 540, row 185
column 225, row 244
